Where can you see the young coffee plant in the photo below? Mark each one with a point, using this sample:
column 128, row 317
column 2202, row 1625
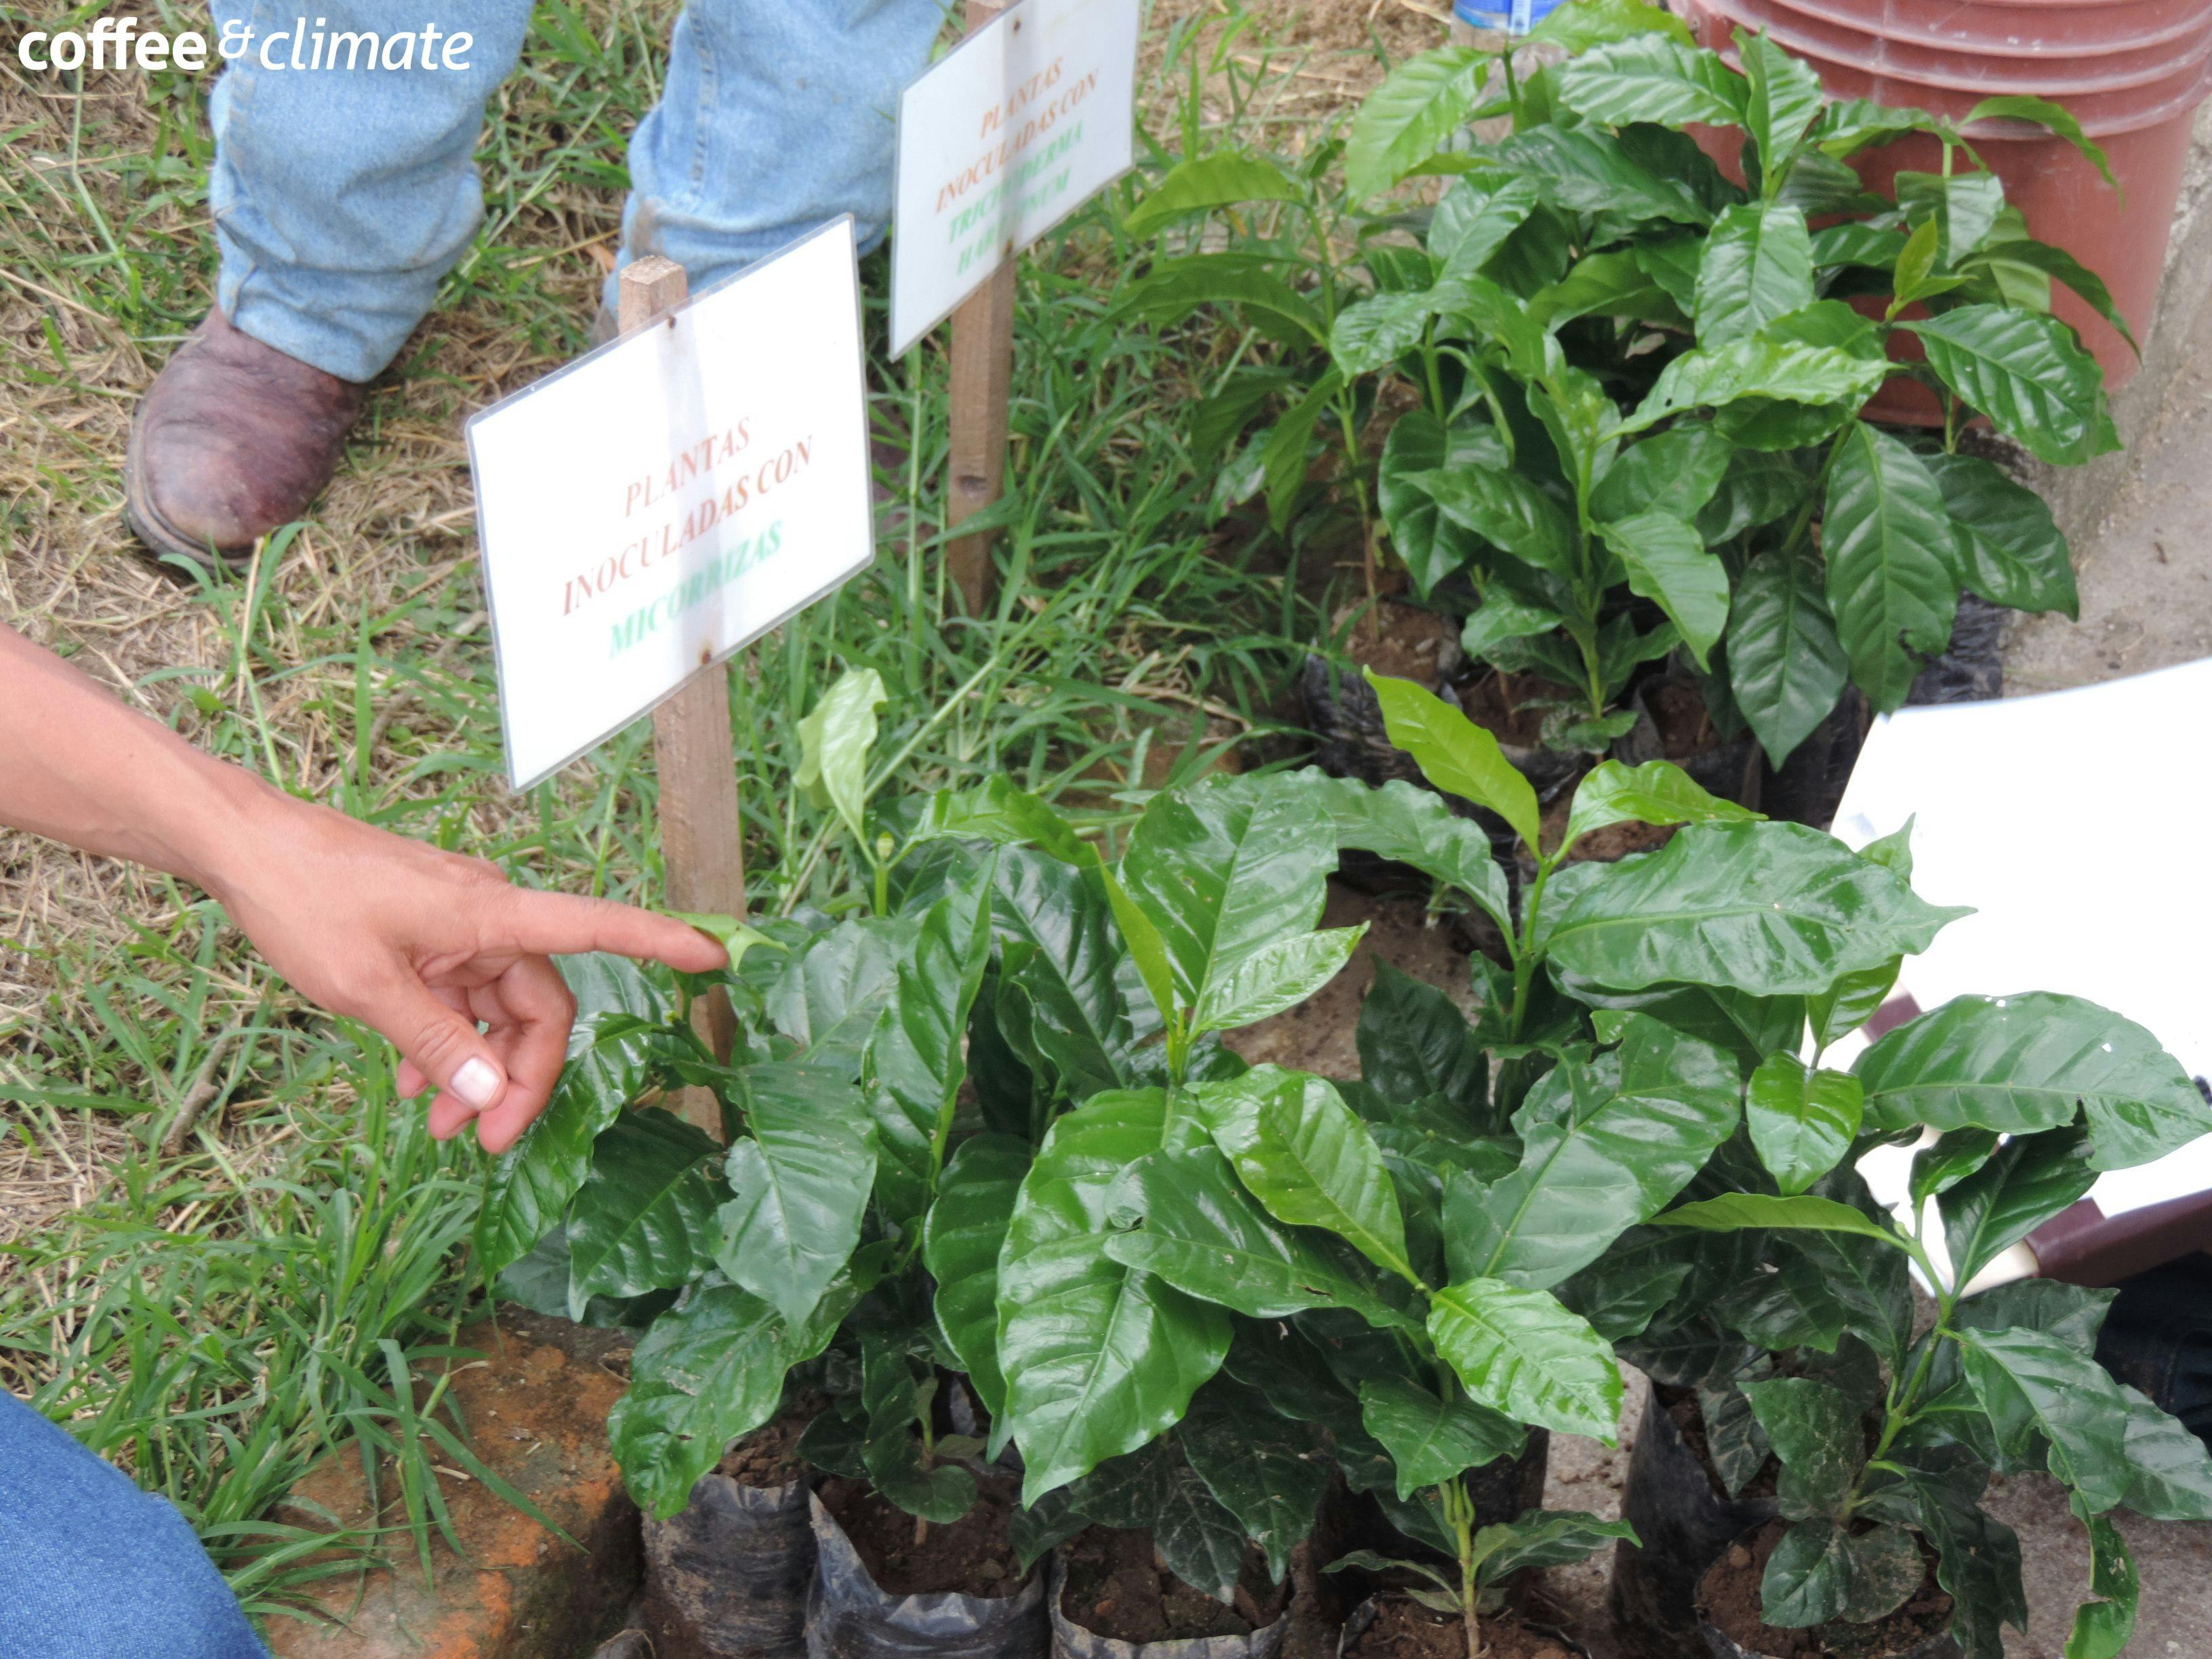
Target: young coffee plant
column 1486, row 1556
column 1638, row 383
column 1887, row 1439
column 1780, row 1291
column 873, row 1222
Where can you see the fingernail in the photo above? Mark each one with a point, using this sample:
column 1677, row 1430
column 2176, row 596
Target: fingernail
column 477, row 1083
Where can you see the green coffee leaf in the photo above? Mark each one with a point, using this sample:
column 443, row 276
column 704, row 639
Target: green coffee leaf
column 1543, row 1538
column 1414, row 1044
column 1732, row 1212
column 1815, row 1432
column 1964, row 207
column 1207, row 1236
column 1455, row 755
column 1648, row 78
column 999, row 812
column 2170, row 1473
column 960, row 1244
column 1411, row 116
column 1768, row 909
column 1588, row 23
column 2031, row 1384
column 2017, row 106
column 1175, row 289
column 2029, row 375
column 801, row 1175
column 1586, row 170
column 2010, row 549
column 1656, row 792
column 1080, row 1023
column 2033, row 1178
column 1785, row 99
column 530, row 1185
column 1521, row 1352
column 834, row 741
column 1606, row 1143
column 2103, row 1626
column 2022, row 1063
column 1675, row 472
column 1269, row 1477
column 1202, row 183
column 708, row 1371
column 1098, row 1358
column 1758, row 266
column 644, row 1219
column 895, row 1392
column 1757, row 488
column 1801, row 1121
column 1279, row 975
column 1889, row 542
column 1616, row 284
column 1416, row 827
column 1300, row 1151
column 1431, row 546
column 918, row 1056
column 1506, row 509
column 1760, row 367
column 1786, row 666
column 1431, row 1440
column 1223, row 869
column 1668, row 563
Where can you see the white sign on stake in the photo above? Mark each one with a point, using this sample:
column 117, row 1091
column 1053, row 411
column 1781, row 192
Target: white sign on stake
column 1023, row 122
column 671, row 496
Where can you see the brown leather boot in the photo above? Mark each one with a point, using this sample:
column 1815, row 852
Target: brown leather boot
column 233, row 440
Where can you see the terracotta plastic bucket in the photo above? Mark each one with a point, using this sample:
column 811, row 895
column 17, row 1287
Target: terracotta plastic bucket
column 2114, row 80
column 2132, row 71
column 2063, row 30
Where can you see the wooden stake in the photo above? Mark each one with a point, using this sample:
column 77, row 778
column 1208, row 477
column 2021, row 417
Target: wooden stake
column 982, row 384
column 701, row 836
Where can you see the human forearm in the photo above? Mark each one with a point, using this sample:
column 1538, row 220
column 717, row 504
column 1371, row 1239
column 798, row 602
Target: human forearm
column 79, row 767
column 435, row 951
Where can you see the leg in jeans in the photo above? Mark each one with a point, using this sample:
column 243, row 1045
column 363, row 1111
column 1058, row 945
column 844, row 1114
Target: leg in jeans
column 777, row 116
column 342, row 195
column 92, row 1568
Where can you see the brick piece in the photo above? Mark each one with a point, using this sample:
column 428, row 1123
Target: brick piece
column 537, row 1418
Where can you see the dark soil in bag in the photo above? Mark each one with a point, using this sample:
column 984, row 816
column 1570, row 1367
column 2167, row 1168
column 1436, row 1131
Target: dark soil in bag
column 727, row 1579
column 1728, row 1605
column 1112, row 1599
column 956, row 1592
column 1685, row 1520
column 973, row 1555
column 1393, row 1627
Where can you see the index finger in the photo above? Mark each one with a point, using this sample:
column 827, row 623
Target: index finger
column 566, row 924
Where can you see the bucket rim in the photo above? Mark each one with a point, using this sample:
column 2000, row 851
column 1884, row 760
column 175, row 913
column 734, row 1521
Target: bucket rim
column 1840, row 15
column 2185, row 98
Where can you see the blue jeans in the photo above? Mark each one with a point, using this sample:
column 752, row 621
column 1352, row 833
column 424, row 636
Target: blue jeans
column 342, row 195
column 92, row 1568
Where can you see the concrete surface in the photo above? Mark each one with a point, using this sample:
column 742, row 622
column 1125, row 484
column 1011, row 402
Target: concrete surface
column 536, row 1410
column 2141, row 520
column 2145, row 569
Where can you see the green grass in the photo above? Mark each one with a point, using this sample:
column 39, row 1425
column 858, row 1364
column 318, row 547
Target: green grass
column 225, row 1310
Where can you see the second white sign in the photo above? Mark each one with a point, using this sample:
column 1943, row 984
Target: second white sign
column 1025, row 121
